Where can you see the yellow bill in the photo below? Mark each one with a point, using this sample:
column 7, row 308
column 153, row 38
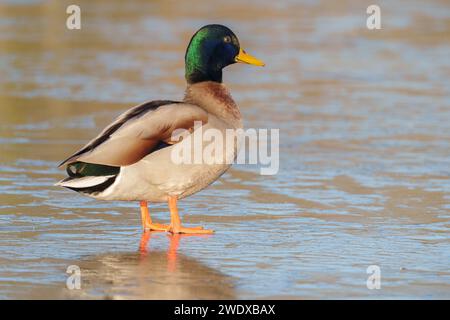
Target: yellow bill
column 244, row 57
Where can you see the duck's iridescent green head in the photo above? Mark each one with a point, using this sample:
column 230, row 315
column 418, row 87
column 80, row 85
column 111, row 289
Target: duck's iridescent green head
column 211, row 49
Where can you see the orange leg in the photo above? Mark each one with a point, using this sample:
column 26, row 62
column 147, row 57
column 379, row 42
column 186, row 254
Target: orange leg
column 147, row 223
column 175, row 221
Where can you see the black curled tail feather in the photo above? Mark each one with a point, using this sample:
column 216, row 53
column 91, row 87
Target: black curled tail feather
column 89, row 178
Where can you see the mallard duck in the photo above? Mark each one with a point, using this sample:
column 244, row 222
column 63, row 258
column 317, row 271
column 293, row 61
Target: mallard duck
column 131, row 158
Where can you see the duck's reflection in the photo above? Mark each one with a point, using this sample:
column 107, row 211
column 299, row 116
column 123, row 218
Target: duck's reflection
column 154, row 274
column 172, row 251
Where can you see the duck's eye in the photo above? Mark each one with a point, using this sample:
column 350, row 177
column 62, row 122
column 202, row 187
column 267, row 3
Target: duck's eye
column 227, row 39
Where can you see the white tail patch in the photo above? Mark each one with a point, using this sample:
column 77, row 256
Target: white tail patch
column 84, row 182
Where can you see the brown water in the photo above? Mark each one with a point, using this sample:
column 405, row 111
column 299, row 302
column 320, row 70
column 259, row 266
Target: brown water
column 364, row 151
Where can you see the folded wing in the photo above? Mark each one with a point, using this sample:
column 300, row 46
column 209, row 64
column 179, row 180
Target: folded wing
column 138, row 132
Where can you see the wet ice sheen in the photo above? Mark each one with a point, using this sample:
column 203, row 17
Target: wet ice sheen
column 364, row 168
